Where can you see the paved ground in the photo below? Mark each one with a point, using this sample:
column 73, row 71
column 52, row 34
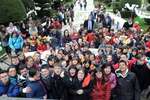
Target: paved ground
column 80, row 15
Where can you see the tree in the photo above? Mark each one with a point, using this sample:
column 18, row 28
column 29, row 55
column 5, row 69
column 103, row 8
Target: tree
column 29, row 4
column 11, row 10
column 123, row 2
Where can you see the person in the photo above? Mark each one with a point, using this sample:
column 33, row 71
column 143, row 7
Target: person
column 35, row 88
column 46, row 78
column 15, row 42
column 89, row 24
column 128, row 86
column 102, row 87
column 142, row 71
column 6, row 87
column 80, row 92
column 85, row 4
column 12, row 72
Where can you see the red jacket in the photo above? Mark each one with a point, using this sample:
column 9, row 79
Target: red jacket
column 90, row 37
column 41, row 47
column 101, row 91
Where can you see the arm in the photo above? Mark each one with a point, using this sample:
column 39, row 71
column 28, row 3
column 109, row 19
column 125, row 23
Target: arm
column 14, row 92
column 89, row 88
column 10, row 43
column 21, row 41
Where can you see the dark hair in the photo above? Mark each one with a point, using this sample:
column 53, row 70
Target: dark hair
column 22, row 66
column 11, row 68
column 32, row 72
column 122, row 61
column 3, row 71
column 45, row 66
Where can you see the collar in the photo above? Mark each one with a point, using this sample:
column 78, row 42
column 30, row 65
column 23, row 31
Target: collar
column 119, row 74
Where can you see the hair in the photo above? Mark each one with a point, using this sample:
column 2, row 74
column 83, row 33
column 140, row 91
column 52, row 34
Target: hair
column 29, row 57
column 22, row 66
column 45, row 66
column 3, row 71
column 32, row 72
column 11, row 68
column 122, row 61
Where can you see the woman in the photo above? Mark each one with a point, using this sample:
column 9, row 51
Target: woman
column 15, row 42
column 78, row 91
column 109, row 75
column 102, row 87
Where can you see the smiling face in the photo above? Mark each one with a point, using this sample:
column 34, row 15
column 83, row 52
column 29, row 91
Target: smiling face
column 107, row 70
column 72, row 72
column 122, row 66
column 80, row 75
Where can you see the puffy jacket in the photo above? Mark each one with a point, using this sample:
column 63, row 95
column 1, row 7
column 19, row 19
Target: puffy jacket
column 11, row 90
column 15, row 42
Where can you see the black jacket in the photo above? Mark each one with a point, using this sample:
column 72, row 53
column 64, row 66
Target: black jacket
column 143, row 74
column 77, row 85
column 128, row 87
column 54, row 86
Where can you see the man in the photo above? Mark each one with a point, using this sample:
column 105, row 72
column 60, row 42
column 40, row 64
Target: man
column 127, row 87
column 6, row 87
column 46, row 77
column 89, row 24
column 35, row 88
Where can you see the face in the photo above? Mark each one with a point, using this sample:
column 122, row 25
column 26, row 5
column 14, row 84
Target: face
column 50, row 62
column 107, row 70
column 4, row 78
column 57, row 70
column 122, row 66
column 24, row 72
column 99, row 75
column 92, row 57
column 45, row 72
column 30, row 62
column 12, row 72
column 109, row 58
column 72, row 72
column 15, row 61
column 80, row 75
column 75, row 62
column 123, row 57
column 36, row 57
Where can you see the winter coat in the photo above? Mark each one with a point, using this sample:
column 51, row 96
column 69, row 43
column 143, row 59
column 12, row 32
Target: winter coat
column 128, row 87
column 143, row 73
column 77, row 85
column 101, row 91
column 54, row 86
column 37, row 88
column 15, row 42
column 11, row 90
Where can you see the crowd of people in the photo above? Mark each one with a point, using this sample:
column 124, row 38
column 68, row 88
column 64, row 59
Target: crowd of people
column 119, row 70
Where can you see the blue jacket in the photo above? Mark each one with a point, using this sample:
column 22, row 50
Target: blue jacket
column 15, row 42
column 10, row 90
column 38, row 90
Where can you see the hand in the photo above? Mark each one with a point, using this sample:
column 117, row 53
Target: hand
column 62, row 74
column 27, row 90
column 80, row 92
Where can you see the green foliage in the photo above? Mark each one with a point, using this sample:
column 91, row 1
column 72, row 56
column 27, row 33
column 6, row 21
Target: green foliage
column 29, row 4
column 42, row 1
column 123, row 2
column 11, row 10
